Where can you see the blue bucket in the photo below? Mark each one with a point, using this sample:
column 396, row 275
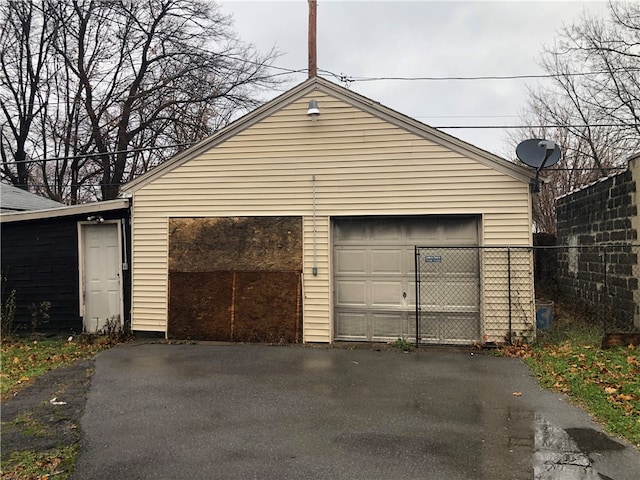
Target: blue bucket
column 544, row 314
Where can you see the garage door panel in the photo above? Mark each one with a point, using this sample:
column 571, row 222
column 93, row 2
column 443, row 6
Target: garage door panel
column 388, row 261
column 430, row 329
column 411, row 294
column 350, row 261
column 386, row 293
column 409, row 329
column 410, row 261
column 451, row 295
column 351, row 292
column 351, row 325
column 461, row 328
column 387, row 325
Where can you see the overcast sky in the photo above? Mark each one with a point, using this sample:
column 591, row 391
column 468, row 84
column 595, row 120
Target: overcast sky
column 420, row 39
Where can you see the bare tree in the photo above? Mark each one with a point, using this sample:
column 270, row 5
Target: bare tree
column 130, row 77
column 25, row 42
column 592, row 106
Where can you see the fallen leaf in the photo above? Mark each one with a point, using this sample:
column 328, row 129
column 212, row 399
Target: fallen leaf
column 517, row 394
column 24, row 379
column 610, row 390
column 16, row 360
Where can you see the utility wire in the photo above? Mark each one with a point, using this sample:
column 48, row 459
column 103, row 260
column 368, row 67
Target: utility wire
column 567, row 169
column 534, row 126
column 441, row 127
column 98, row 154
column 352, row 79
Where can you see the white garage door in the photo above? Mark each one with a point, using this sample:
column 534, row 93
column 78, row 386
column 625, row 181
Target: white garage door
column 374, row 271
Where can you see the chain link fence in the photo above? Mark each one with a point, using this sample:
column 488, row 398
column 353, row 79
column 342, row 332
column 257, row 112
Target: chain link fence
column 468, row 295
column 486, row 295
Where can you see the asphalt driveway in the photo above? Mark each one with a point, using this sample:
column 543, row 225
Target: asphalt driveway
column 253, row 411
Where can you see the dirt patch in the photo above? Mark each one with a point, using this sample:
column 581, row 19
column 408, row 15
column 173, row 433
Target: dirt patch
column 33, row 420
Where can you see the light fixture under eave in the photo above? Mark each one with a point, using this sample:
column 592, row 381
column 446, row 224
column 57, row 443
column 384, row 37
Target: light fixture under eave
column 314, row 111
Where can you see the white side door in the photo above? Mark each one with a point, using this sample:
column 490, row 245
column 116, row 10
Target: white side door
column 101, row 275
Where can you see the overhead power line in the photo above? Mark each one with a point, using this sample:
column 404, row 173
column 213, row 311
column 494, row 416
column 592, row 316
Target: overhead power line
column 351, row 79
column 594, row 125
column 439, row 127
column 98, row 154
column 88, row 185
column 354, row 78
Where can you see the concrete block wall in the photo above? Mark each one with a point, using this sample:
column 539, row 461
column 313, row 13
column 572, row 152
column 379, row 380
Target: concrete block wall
column 599, row 226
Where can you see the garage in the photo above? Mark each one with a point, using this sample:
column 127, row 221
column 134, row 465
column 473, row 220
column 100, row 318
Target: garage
column 284, row 227
column 374, row 278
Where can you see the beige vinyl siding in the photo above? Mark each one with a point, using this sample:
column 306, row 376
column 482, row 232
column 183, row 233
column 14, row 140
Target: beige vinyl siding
column 363, row 166
column 317, row 295
column 500, row 228
column 150, row 267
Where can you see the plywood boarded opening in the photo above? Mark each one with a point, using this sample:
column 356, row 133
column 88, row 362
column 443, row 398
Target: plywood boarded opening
column 235, row 279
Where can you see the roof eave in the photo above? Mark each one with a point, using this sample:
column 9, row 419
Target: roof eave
column 68, row 210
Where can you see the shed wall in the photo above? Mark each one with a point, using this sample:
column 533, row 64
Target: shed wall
column 362, row 165
column 40, row 262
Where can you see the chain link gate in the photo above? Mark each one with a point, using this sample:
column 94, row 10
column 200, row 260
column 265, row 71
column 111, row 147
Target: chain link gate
column 474, row 295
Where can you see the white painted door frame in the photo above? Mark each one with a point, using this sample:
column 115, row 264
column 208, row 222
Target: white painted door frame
column 82, row 228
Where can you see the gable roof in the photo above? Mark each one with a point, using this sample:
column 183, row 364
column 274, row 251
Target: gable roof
column 359, row 101
column 14, row 199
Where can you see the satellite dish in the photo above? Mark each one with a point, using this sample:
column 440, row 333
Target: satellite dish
column 538, row 153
